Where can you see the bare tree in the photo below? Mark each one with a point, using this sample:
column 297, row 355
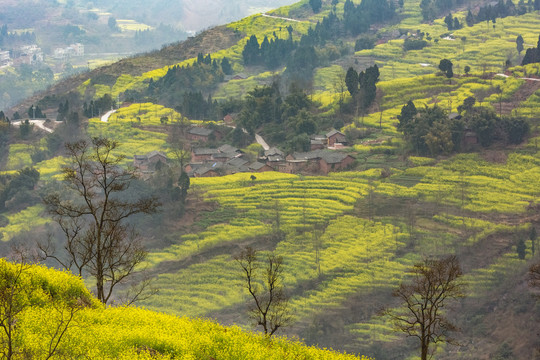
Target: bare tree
column 270, row 309
column 340, row 87
column 434, row 283
column 99, row 242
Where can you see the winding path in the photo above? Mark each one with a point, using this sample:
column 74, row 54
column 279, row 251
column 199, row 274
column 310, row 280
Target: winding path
column 38, row 122
column 282, row 18
column 105, row 118
column 261, row 142
column 521, row 78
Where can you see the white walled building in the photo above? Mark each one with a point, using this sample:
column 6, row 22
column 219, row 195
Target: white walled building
column 5, row 58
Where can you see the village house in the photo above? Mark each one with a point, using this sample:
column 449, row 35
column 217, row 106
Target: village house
column 224, row 160
column 259, row 167
column 319, row 161
column 75, row 50
column 204, row 171
column 202, row 134
column 317, row 144
column 335, row 137
column 223, row 157
column 272, row 157
column 237, row 163
column 228, row 149
column 5, row 59
column 240, row 76
column 149, row 162
column 28, row 54
column 203, row 154
column 335, row 161
column 470, row 137
column 209, row 169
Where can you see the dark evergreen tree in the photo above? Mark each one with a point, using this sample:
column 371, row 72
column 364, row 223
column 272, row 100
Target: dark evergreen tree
column 226, row 66
column 368, row 81
column 200, row 58
column 532, row 55
column 483, row 121
column 183, row 184
column 515, row 129
column 445, row 66
column 251, row 51
column 469, row 19
column 457, row 24
column 351, row 80
column 519, row 44
column 406, row 118
column 315, row 5
column 449, row 21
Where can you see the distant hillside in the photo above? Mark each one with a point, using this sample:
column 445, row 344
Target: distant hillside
column 212, row 40
column 190, row 15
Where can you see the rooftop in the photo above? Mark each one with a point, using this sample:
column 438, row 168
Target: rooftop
column 200, row 131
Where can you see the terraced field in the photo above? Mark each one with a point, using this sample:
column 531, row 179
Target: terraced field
column 348, row 239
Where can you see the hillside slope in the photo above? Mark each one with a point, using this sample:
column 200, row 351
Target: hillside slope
column 73, row 323
column 350, row 237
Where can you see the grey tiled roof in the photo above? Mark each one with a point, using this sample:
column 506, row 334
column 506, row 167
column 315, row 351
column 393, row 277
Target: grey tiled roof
column 334, row 132
column 274, row 151
column 227, row 148
column 200, row 131
column 205, row 151
column 331, row 157
column 256, row 165
column 149, row 155
column 237, row 162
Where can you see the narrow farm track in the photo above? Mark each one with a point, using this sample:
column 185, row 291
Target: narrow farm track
column 281, row 18
column 40, row 123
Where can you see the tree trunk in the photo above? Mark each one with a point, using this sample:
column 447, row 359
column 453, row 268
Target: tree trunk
column 425, row 345
column 99, row 275
column 424, row 352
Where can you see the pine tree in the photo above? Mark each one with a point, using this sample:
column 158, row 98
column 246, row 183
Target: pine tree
column 226, row 66
column 315, row 5
column 519, row 43
column 469, row 19
column 351, row 80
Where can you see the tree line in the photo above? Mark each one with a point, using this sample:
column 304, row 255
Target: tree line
column 532, row 55
column 488, row 13
column 363, row 84
column 301, row 56
column 431, row 131
column 10, row 38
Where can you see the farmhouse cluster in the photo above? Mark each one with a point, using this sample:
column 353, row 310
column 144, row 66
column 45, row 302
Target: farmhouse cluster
column 27, row 54
column 226, row 159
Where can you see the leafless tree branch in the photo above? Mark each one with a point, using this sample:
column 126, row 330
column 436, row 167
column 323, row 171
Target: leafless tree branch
column 270, row 309
column 99, row 242
column 433, row 285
